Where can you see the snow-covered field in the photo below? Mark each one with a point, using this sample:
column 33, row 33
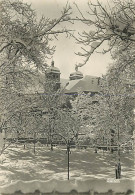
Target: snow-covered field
column 19, row 164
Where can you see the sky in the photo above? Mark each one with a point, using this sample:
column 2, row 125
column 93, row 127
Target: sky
column 64, row 56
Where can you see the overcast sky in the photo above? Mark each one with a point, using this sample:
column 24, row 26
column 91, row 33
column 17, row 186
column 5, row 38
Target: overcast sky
column 65, row 57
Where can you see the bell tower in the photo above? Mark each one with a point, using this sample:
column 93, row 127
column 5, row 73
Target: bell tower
column 53, row 75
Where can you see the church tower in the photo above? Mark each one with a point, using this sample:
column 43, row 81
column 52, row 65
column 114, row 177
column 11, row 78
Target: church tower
column 53, row 76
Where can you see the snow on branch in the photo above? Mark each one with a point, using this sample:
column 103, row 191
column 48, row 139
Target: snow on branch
column 114, row 22
column 20, row 30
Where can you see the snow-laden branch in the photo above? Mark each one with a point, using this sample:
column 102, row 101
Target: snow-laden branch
column 115, row 21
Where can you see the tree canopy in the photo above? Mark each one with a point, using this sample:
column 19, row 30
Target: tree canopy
column 112, row 23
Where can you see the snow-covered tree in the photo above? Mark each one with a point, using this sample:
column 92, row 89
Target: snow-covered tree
column 114, row 114
column 110, row 28
column 25, row 46
column 112, row 23
column 23, row 36
column 108, row 115
column 82, row 110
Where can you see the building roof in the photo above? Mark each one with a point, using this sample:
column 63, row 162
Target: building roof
column 64, row 82
column 86, row 84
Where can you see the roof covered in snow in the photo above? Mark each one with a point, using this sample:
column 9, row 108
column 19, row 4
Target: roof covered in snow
column 86, row 84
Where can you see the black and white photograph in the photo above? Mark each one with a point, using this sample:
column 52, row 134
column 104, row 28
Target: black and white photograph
column 67, row 97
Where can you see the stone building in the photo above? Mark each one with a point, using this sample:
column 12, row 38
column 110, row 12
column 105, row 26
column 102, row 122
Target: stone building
column 76, row 82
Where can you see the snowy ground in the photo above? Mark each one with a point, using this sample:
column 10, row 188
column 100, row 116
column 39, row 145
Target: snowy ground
column 19, row 164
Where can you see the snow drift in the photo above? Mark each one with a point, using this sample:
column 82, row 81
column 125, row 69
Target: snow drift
column 81, row 186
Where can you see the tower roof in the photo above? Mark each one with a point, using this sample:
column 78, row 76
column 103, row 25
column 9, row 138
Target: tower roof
column 53, row 69
column 76, row 75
